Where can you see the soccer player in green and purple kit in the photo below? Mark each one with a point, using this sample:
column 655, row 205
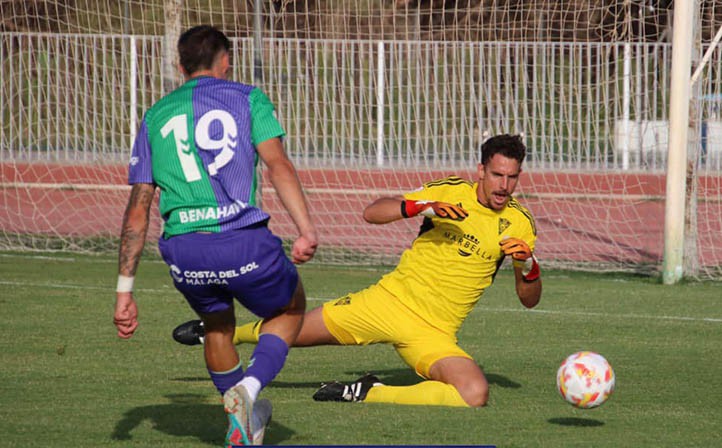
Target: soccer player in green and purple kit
column 200, row 145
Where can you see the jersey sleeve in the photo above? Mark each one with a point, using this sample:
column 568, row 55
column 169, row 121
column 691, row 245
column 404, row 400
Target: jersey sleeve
column 434, row 190
column 527, row 228
column 140, row 168
column 264, row 124
column 529, row 237
column 417, row 195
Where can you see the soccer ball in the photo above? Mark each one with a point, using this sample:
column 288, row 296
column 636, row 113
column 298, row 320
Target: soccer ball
column 585, row 379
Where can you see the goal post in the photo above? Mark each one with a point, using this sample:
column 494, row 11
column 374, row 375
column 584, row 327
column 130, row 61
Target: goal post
column 172, row 30
column 677, row 163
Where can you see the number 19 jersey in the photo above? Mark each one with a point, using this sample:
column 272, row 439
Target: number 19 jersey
column 197, row 144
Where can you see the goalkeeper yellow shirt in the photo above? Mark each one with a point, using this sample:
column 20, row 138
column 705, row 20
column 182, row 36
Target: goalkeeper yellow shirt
column 451, row 263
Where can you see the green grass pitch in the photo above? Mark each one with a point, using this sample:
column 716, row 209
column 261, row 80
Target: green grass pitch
column 68, row 381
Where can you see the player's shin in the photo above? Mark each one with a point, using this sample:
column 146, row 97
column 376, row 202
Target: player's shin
column 430, row 393
column 268, row 359
column 225, row 380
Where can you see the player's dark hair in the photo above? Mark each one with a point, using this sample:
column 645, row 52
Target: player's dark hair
column 199, row 46
column 507, row 145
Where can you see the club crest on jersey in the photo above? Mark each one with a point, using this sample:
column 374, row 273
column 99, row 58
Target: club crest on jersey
column 503, row 225
column 467, row 245
column 470, row 242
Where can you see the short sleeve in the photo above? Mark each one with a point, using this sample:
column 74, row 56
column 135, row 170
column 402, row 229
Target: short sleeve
column 436, row 190
column 527, row 226
column 529, row 236
column 140, row 167
column 264, row 124
column 419, row 194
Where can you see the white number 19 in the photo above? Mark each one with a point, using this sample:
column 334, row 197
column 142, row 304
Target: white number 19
column 178, row 125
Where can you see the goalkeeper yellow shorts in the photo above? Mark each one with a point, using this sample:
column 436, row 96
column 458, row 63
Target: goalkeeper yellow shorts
column 374, row 316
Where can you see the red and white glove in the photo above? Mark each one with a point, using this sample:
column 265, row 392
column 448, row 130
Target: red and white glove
column 522, row 257
column 432, row 208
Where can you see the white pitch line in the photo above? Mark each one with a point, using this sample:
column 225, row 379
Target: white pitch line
column 81, row 287
column 593, row 314
column 109, row 289
column 38, row 257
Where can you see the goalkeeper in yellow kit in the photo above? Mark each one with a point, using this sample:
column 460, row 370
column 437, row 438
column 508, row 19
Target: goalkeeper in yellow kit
column 467, row 231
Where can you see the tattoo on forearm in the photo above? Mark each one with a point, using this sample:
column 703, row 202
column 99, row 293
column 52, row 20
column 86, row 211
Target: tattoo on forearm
column 135, row 228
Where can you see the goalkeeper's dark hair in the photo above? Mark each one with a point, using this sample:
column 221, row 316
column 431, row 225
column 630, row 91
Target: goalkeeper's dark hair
column 199, row 46
column 507, row 145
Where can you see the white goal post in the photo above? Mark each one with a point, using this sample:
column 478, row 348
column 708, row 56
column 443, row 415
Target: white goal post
column 678, row 139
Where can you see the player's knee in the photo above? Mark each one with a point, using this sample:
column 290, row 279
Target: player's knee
column 298, row 300
column 475, row 393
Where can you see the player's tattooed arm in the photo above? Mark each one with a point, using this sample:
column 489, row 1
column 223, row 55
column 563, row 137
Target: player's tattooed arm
column 135, row 228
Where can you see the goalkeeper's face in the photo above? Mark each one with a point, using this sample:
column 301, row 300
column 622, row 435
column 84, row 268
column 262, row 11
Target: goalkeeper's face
column 497, row 181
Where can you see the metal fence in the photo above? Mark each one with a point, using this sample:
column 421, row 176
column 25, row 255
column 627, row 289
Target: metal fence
column 580, row 106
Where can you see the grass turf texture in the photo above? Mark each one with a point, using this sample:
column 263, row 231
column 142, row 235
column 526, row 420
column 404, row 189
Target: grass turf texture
column 68, row 380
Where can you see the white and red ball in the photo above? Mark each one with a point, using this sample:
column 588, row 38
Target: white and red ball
column 585, row 379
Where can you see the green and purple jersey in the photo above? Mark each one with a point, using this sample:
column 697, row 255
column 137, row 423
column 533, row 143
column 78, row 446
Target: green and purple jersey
column 198, row 145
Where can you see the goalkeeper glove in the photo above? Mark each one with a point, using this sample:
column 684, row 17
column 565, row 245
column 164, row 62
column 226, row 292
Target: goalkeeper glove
column 522, row 257
column 432, row 208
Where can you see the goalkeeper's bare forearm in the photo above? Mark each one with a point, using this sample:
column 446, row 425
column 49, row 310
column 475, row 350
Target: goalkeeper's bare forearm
column 529, row 292
column 527, row 272
column 383, row 210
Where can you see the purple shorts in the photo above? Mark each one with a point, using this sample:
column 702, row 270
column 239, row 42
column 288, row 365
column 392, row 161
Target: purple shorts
column 211, row 269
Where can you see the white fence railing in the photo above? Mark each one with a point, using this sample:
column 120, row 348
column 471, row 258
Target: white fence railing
column 580, row 106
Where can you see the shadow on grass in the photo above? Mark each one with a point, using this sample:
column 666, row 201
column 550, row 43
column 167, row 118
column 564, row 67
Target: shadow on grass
column 278, row 384
column 405, row 377
column 573, row 421
column 188, row 416
column 394, row 377
column 501, row 381
column 193, row 379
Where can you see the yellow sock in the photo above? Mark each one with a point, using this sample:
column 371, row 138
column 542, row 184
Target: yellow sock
column 247, row 333
column 433, row 393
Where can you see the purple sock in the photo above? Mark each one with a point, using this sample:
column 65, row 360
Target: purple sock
column 267, row 359
column 225, row 380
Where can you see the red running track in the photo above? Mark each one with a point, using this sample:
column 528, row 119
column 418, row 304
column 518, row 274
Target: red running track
column 611, row 218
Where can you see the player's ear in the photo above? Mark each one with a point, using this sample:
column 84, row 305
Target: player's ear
column 222, row 65
column 480, row 170
column 183, row 71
